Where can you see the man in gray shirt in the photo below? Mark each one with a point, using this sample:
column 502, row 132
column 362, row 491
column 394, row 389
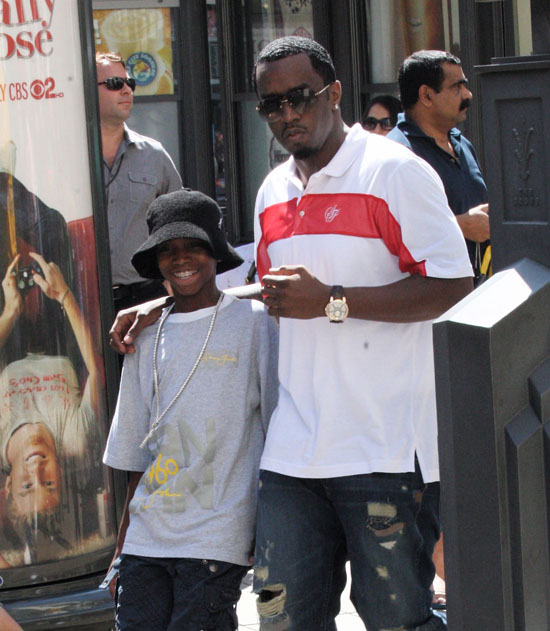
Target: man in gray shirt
column 136, row 170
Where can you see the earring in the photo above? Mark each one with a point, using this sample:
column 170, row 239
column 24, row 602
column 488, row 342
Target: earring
column 336, row 107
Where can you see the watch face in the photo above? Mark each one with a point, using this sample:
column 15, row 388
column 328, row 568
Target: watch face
column 337, row 310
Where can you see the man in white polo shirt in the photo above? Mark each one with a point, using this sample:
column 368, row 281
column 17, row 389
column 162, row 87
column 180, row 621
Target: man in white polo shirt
column 357, row 252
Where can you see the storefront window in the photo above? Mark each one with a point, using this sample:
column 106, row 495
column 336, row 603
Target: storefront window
column 215, row 96
column 397, row 28
column 158, row 119
column 263, row 22
column 144, row 38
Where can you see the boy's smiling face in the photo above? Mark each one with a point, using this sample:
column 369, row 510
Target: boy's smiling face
column 190, row 268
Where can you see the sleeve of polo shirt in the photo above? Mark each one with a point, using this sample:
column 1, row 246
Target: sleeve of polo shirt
column 431, row 242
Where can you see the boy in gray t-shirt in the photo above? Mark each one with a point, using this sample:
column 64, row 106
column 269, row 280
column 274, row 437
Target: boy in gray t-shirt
column 194, row 404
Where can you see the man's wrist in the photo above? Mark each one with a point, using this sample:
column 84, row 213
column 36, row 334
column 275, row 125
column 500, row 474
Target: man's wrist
column 337, row 309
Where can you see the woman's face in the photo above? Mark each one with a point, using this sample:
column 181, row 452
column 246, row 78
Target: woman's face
column 378, row 120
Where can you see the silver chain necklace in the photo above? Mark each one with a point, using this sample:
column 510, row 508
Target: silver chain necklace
column 160, row 416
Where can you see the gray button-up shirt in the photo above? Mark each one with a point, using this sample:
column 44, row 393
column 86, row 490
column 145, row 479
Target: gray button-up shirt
column 141, row 171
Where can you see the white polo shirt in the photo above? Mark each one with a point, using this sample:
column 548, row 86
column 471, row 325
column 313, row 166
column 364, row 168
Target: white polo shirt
column 357, row 397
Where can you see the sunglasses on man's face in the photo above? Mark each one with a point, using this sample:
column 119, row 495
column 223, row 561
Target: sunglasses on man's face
column 371, row 122
column 271, row 109
column 117, row 83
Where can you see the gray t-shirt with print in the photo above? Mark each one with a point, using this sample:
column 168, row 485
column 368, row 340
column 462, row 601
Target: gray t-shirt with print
column 197, row 497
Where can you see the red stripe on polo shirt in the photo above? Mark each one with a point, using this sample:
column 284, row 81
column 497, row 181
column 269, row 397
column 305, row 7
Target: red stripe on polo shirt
column 351, row 214
column 278, row 219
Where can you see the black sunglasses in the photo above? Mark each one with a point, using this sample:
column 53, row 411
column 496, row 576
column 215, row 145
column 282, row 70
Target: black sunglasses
column 271, row 109
column 371, row 122
column 117, row 83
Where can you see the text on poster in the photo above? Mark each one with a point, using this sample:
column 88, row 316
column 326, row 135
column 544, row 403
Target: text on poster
column 15, row 14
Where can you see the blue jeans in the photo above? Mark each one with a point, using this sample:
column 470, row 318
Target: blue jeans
column 309, row 528
column 168, row 594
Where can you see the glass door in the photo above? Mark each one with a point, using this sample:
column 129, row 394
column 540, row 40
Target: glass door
column 254, row 24
column 397, row 28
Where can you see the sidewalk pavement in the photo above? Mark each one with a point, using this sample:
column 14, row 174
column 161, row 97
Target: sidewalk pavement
column 347, row 620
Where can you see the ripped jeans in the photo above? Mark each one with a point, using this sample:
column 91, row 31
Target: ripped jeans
column 308, row 529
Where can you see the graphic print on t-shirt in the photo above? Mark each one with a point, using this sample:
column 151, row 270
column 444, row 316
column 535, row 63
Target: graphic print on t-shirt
column 181, row 470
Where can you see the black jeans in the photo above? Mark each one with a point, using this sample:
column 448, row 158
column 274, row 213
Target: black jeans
column 169, row 594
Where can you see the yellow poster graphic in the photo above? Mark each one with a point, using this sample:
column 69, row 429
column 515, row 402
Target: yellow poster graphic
column 143, row 38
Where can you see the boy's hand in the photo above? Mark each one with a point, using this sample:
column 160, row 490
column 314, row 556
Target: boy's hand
column 129, row 323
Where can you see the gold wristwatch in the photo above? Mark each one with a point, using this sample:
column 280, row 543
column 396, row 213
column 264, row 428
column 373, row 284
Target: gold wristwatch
column 337, row 309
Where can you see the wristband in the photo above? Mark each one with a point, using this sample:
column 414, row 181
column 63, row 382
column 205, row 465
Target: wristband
column 63, row 299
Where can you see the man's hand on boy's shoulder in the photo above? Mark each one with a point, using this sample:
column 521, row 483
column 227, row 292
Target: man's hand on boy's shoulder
column 129, row 323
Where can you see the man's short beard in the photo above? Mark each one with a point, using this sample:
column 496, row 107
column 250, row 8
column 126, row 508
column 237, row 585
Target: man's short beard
column 304, row 153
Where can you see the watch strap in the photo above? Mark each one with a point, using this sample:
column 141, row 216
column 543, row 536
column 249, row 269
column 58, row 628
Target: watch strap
column 337, row 292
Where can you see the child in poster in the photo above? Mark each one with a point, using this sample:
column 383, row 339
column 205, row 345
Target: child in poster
column 46, row 424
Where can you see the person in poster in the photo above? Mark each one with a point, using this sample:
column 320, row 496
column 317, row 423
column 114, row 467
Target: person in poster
column 48, row 429
column 46, row 425
column 28, row 224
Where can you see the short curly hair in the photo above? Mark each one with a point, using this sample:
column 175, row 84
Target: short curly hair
column 293, row 45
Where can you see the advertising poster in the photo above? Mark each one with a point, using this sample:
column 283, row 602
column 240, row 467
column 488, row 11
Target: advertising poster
column 55, row 499
column 143, row 38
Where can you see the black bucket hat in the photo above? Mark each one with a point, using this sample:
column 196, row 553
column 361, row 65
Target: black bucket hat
column 184, row 214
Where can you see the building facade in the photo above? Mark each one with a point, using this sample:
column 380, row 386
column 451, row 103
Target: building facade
column 203, row 110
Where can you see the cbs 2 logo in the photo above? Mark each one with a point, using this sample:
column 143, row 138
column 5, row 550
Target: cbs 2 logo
column 44, row 89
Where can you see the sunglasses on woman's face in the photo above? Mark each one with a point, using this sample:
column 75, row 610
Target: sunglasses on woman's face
column 117, row 83
column 371, row 123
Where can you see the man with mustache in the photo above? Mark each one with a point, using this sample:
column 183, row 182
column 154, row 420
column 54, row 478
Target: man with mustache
column 435, row 98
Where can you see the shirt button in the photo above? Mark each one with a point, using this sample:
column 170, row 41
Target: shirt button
column 302, row 213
